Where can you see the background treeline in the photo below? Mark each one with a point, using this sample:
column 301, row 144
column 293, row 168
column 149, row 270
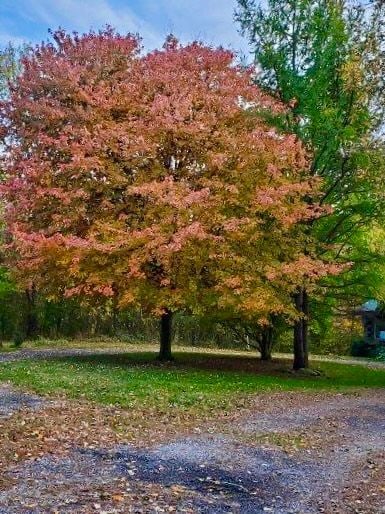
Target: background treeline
column 26, row 315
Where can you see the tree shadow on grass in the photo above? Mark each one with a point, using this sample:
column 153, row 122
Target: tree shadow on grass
column 183, row 361
column 335, row 375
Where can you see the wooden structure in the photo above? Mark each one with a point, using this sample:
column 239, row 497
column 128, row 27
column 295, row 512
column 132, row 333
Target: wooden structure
column 373, row 321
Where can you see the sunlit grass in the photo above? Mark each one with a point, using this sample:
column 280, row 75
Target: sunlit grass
column 194, row 380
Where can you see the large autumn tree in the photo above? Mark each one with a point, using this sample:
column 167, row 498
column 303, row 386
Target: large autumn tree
column 326, row 59
column 153, row 180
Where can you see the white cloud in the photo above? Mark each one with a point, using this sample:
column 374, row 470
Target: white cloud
column 208, row 20
column 6, row 37
column 87, row 14
column 211, row 21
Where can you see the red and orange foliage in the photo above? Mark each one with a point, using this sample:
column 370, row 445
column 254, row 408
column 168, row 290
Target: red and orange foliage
column 153, row 179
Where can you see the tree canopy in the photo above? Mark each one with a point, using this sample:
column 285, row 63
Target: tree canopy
column 154, row 179
column 324, row 58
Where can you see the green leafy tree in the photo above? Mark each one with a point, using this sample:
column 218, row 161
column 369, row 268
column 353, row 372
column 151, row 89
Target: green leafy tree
column 325, row 59
column 10, row 66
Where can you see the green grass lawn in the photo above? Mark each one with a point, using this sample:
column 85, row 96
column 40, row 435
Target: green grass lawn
column 202, row 380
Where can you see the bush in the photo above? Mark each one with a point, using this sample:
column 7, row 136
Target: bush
column 18, row 339
column 361, row 348
column 379, row 353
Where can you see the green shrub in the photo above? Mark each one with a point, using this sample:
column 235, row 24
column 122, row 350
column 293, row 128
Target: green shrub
column 360, row 348
column 379, row 353
column 18, row 339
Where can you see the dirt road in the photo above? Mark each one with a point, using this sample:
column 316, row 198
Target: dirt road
column 286, row 453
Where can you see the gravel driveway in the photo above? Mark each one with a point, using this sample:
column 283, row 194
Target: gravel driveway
column 46, row 354
column 294, row 453
column 12, row 400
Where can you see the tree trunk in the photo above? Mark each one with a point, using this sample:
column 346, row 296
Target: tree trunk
column 266, row 343
column 31, row 322
column 58, row 324
column 165, row 336
column 305, row 327
column 301, row 352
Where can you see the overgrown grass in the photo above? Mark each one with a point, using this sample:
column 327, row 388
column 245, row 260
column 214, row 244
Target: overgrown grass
column 193, row 380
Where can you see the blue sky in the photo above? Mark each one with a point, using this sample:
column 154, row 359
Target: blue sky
column 207, row 20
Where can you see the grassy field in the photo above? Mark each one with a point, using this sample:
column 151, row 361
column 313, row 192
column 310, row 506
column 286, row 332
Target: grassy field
column 194, row 380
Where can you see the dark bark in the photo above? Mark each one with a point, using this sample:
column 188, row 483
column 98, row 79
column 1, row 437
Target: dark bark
column 305, row 327
column 165, row 336
column 31, row 321
column 59, row 320
column 266, row 344
column 300, row 346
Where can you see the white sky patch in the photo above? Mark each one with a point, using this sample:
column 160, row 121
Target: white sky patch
column 6, row 37
column 85, row 15
column 210, row 21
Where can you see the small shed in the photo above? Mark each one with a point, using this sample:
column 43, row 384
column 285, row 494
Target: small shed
column 373, row 321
